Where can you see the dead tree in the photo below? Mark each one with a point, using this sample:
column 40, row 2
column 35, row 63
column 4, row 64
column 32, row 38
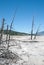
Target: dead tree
column 2, row 29
column 36, row 33
column 7, row 34
column 11, row 27
column 32, row 28
column 12, row 24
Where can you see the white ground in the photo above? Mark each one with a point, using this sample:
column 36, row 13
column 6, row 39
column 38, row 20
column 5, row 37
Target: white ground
column 32, row 53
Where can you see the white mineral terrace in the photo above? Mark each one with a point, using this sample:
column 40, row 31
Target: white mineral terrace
column 31, row 51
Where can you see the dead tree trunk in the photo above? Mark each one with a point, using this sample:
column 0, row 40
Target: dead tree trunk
column 2, row 29
column 7, row 34
column 12, row 23
column 36, row 33
column 32, row 28
column 11, row 28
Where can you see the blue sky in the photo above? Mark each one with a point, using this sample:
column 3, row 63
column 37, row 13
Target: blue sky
column 26, row 9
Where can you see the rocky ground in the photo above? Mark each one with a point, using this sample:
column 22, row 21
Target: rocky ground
column 23, row 51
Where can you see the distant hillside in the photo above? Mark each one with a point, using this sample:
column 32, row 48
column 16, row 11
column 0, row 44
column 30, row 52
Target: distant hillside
column 14, row 33
column 41, row 33
column 20, row 33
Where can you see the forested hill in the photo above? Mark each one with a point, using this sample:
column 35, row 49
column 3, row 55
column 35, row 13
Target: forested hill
column 14, row 32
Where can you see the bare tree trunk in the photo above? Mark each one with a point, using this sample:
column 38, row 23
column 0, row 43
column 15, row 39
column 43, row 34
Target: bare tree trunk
column 2, row 29
column 36, row 33
column 12, row 23
column 7, row 34
column 32, row 28
column 11, row 28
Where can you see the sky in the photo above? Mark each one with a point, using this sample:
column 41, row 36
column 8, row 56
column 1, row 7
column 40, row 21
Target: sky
column 26, row 9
